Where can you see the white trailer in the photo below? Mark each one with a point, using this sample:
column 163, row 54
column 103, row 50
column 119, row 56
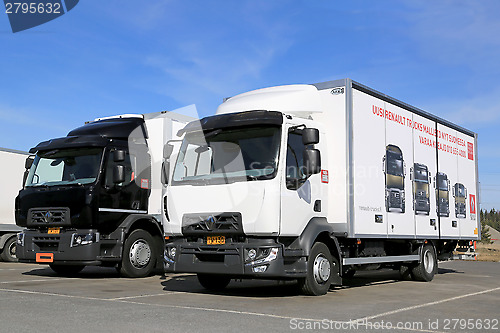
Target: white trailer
column 314, row 182
column 13, row 162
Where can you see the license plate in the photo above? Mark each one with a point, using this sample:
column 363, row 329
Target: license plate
column 216, row 240
column 54, row 230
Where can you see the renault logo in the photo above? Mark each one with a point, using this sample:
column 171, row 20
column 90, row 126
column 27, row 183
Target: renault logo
column 47, row 217
column 210, row 222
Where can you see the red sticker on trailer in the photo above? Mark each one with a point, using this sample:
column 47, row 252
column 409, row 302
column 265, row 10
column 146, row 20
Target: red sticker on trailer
column 145, row 183
column 324, row 176
column 472, row 200
column 470, row 150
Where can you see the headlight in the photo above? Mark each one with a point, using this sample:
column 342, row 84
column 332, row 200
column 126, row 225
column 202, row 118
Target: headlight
column 170, row 252
column 263, row 256
column 20, row 239
column 84, row 239
column 252, row 254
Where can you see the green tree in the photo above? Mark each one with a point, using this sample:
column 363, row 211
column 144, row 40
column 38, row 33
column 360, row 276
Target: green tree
column 485, row 232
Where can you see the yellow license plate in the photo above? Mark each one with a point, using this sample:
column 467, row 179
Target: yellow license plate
column 54, row 230
column 216, row 240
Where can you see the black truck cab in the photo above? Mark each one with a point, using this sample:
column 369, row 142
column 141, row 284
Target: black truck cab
column 85, row 201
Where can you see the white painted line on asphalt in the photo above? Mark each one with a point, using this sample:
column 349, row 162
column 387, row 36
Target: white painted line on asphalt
column 185, row 307
column 167, row 305
column 25, row 281
column 429, row 304
column 49, row 294
column 139, row 296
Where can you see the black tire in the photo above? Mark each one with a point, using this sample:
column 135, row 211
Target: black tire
column 66, row 270
column 428, row 266
column 319, row 271
column 213, row 281
column 9, row 250
column 139, row 255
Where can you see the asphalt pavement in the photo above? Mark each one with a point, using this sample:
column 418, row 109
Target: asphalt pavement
column 463, row 297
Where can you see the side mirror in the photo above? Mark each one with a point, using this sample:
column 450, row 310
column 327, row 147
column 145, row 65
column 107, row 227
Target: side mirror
column 165, row 167
column 29, row 162
column 119, row 155
column 411, row 173
column 383, row 164
column 118, row 174
column 167, row 150
column 312, row 161
column 310, row 136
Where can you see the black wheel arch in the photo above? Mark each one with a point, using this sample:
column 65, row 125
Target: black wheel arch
column 319, row 230
column 144, row 222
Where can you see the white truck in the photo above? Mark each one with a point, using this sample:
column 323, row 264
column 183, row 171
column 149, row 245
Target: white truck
column 13, row 162
column 314, row 182
column 95, row 197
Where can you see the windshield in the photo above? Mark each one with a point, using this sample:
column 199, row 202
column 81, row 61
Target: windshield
column 421, row 174
column 460, row 190
column 222, row 156
column 442, row 183
column 394, row 164
column 65, row 166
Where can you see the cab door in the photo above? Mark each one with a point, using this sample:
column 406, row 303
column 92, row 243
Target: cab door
column 300, row 195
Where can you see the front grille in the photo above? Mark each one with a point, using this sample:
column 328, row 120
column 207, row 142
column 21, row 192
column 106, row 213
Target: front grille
column 395, row 199
column 220, row 224
column 48, row 217
column 46, row 243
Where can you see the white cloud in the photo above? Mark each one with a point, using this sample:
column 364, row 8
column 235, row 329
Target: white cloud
column 207, row 66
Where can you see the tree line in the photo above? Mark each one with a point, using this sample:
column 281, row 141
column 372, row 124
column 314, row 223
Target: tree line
column 489, row 218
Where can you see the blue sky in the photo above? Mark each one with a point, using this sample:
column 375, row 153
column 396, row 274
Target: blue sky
column 115, row 56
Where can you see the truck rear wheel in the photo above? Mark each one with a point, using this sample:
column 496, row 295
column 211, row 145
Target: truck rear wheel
column 66, row 270
column 213, row 281
column 427, row 268
column 319, row 271
column 9, row 250
column 139, row 255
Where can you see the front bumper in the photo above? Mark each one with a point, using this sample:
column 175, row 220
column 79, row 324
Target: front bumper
column 61, row 247
column 422, row 205
column 231, row 259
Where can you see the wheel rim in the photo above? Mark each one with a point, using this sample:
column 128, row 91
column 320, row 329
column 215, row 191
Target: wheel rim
column 140, row 253
column 428, row 261
column 12, row 250
column 321, row 269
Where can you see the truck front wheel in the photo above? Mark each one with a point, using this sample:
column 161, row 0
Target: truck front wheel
column 139, row 255
column 213, row 281
column 428, row 266
column 9, row 250
column 319, row 271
